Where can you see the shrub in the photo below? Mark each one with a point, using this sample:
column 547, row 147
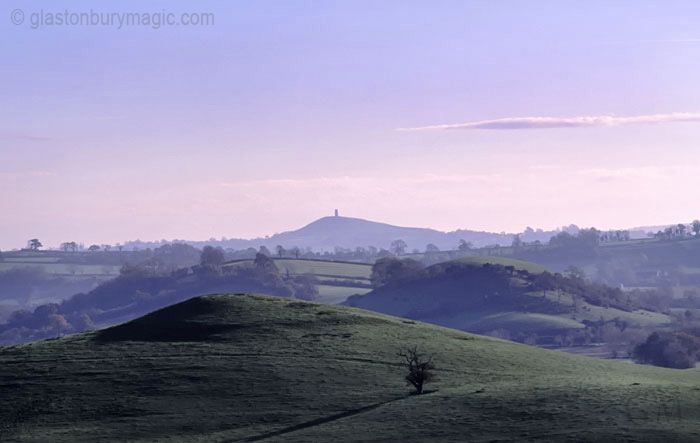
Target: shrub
column 669, row 349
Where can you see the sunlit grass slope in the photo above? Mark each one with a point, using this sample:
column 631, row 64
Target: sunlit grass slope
column 243, row 368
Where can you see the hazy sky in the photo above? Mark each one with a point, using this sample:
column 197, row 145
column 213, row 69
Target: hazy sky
column 532, row 113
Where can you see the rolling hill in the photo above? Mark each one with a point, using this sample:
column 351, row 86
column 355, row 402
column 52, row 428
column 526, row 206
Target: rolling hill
column 486, row 294
column 245, row 368
column 328, row 232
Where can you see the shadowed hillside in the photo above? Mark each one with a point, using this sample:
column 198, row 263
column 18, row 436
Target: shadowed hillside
column 505, row 296
column 243, row 368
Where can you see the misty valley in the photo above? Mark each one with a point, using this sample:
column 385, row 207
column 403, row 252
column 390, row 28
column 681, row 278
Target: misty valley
column 350, row 221
column 578, row 293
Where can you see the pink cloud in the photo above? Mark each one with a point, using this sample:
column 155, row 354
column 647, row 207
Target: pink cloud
column 564, row 122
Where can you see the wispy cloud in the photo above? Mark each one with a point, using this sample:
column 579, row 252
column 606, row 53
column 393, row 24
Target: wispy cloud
column 564, row 122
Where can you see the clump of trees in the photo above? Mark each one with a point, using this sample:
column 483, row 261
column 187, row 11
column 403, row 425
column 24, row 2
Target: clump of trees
column 679, row 231
column 599, row 294
column 678, row 350
column 585, row 243
column 420, row 368
column 212, row 256
column 34, row 244
column 392, row 271
column 69, row 246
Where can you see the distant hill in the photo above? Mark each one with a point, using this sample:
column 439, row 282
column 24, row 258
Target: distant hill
column 246, row 368
column 346, row 232
column 329, row 232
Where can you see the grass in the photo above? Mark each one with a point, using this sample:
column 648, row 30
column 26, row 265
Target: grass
column 587, row 311
column 337, row 294
column 358, row 271
column 64, row 269
column 511, row 320
column 237, row 368
column 40, row 259
column 521, row 321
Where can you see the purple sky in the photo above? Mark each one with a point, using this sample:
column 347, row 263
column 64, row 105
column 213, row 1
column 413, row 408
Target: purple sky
column 536, row 113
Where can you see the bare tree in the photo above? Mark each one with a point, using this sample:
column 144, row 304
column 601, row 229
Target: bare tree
column 420, row 369
column 69, row 246
column 398, row 247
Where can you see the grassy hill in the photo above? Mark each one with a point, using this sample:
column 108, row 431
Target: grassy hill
column 480, row 295
column 244, row 368
column 338, row 280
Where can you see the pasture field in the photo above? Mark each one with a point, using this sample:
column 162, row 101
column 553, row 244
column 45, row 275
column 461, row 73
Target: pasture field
column 244, row 368
column 487, row 320
column 334, row 295
column 65, row 269
column 338, row 280
column 359, row 271
column 30, row 259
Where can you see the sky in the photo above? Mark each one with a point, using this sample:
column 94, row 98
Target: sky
column 488, row 115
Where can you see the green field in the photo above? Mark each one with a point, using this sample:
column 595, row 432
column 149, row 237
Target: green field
column 31, row 259
column 339, row 280
column 359, row 271
column 482, row 321
column 257, row 368
column 337, row 294
column 63, row 269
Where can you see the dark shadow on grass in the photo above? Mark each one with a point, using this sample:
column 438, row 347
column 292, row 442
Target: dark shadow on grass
column 181, row 322
column 177, row 332
column 320, row 421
